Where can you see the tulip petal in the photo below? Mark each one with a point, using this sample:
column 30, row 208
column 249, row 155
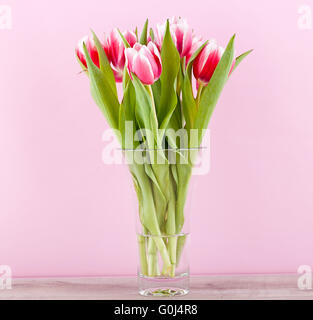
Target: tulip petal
column 93, row 51
column 186, row 43
column 118, row 73
column 157, row 65
column 137, row 46
column 149, row 55
column 81, row 56
column 130, row 37
column 129, row 56
column 91, row 48
column 114, row 48
column 202, row 58
column 209, row 67
column 143, row 69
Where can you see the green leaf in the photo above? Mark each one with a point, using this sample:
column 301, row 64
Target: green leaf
column 102, row 92
column 189, row 106
column 126, row 78
column 156, row 89
column 152, row 176
column 143, row 37
column 174, row 125
column 176, row 121
column 139, row 196
column 151, row 34
column 145, row 111
column 183, row 173
column 239, row 59
column 174, row 173
column 193, row 57
column 105, row 66
column 127, row 113
column 126, row 44
column 213, row 90
column 136, row 33
column 183, row 66
column 171, row 63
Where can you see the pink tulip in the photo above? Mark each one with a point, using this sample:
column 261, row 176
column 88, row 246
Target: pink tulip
column 130, row 37
column 91, row 48
column 197, row 42
column 144, row 62
column 159, row 35
column 206, row 62
column 114, row 49
column 181, row 34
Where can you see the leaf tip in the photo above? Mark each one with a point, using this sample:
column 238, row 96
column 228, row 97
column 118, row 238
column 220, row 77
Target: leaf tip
column 84, row 46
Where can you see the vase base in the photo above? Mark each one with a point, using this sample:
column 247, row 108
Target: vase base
column 163, row 286
column 163, row 292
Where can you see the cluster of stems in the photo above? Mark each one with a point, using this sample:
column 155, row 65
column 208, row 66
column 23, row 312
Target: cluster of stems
column 161, row 191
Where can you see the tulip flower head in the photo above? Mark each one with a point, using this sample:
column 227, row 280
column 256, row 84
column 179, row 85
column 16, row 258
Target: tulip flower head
column 181, row 34
column 91, row 48
column 130, row 37
column 144, row 62
column 114, row 49
column 206, row 62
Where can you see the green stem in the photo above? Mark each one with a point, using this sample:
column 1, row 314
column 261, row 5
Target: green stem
column 180, row 246
column 142, row 254
column 200, row 87
column 149, row 218
column 160, row 205
column 170, row 226
column 153, row 266
column 184, row 173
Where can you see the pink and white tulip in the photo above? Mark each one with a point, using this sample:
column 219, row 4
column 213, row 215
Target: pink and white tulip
column 144, row 62
column 181, row 34
column 130, row 37
column 91, row 48
column 114, row 49
column 206, row 62
column 197, row 42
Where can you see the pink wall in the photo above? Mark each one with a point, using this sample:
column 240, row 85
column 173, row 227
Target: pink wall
column 63, row 212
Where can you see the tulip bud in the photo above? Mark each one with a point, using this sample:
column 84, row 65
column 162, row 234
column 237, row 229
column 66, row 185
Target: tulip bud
column 144, row 62
column 91, row 48
column 181, row 34
column 206, row 62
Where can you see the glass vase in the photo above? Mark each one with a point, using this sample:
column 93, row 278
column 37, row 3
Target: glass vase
column 161, row 180
column 155, row 278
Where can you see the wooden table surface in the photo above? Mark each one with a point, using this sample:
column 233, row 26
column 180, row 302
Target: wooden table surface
column 202, row 287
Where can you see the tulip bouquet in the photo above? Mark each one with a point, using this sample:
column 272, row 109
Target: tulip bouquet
column 171, row 80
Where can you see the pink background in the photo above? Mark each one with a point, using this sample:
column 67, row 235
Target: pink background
column 64, row 213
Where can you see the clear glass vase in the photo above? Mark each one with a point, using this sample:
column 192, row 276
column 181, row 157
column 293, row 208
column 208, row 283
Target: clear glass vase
column 154, row 277
column 161, row 180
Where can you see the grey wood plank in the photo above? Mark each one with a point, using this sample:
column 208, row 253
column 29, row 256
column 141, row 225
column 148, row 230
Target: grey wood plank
column 202, row 287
